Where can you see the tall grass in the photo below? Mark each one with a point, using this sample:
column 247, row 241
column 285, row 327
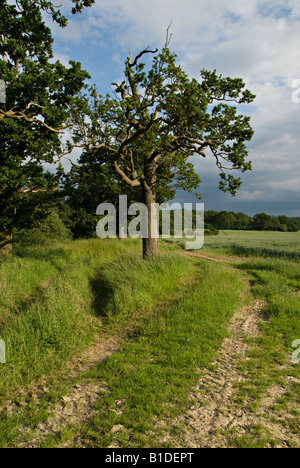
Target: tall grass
column 94, row 282
column 133, row 285
column 19, row 279
column 47, row 305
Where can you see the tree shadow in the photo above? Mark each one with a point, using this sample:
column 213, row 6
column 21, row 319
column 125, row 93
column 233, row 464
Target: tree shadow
column 102, row 293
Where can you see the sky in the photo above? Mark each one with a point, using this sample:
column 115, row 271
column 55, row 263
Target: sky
column 256, row 40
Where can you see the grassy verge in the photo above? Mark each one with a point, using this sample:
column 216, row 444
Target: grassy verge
column 278, row 282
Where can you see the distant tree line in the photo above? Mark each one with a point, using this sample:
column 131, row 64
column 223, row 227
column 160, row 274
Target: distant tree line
column 259, row 222
column 70, row 213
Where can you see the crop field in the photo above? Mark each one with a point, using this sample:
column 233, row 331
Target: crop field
column 266, row 243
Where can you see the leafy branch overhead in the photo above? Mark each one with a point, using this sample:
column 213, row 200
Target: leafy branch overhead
column 25, row 50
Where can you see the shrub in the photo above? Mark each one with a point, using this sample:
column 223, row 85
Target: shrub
column 50, row 228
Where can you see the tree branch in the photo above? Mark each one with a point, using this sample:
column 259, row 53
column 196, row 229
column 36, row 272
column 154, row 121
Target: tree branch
column 145, row 51
column 19, row 115
column 124, row 177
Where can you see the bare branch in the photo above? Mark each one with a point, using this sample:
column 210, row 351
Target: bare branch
column 36, row 190
column 169, row 36
column 145, row 51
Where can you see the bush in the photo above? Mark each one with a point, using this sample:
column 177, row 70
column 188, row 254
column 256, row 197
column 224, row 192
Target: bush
column 49, row 229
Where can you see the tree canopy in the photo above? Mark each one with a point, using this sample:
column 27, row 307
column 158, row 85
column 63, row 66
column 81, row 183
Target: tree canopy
column 38, row 95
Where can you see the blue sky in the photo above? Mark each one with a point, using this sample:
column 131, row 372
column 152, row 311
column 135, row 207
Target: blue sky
column 256, row 40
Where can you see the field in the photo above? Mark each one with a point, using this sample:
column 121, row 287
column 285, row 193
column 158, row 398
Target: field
column 104, row 349
column 263, row 243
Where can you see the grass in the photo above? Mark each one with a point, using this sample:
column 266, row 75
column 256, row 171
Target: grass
column 150, row 377
column 44, row 326
column 173, row 313
column 284, row 245
column 278, row 283
column 271, row 262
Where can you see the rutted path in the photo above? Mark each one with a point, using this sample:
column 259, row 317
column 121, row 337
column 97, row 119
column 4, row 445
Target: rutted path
column 214, row 407
column 216, row 414
column 231, row 259
column 77, row 406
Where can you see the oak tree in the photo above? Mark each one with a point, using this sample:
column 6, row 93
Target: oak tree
column 157, row 118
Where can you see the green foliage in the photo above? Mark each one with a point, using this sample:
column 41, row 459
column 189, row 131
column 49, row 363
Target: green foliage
column 241, row 221
column 49, row 229
column 39, row 94
column 211, row 232
column 159, row 118
column 88, row 184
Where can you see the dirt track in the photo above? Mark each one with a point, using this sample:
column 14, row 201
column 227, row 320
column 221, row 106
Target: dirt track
column 216, row 415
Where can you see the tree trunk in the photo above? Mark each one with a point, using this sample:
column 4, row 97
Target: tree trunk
column 5, row 243
column 150, row 244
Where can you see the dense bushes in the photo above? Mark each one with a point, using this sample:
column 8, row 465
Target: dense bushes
column 50, row 228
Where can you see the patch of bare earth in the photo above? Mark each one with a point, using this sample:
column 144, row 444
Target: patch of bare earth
column 76, row 407
column 217, row 415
